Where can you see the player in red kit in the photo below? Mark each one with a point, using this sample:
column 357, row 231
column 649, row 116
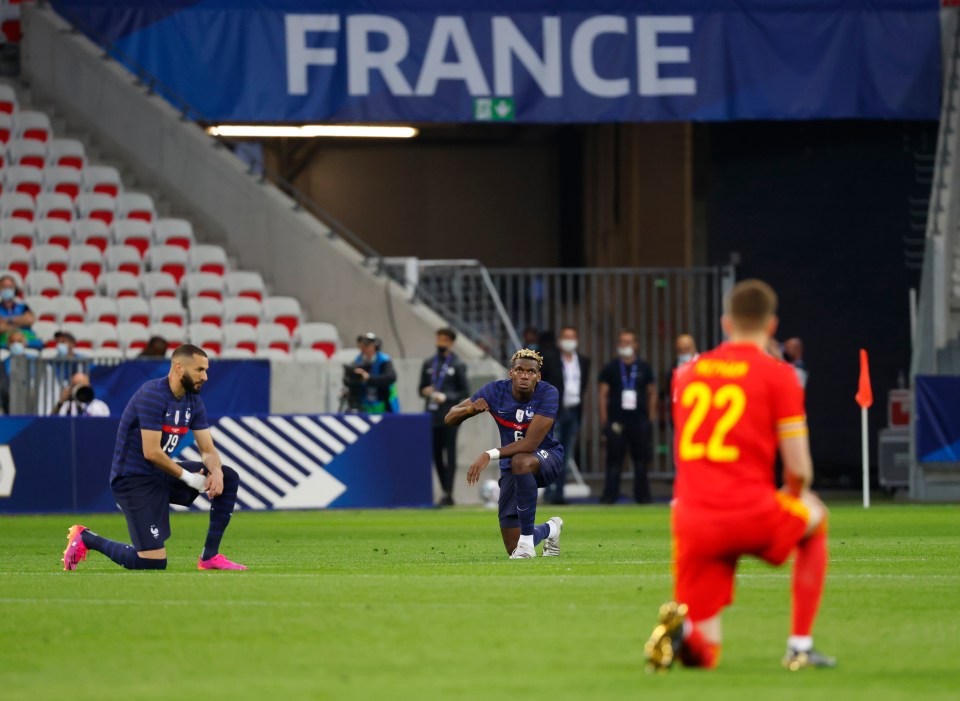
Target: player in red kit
column 734, row 408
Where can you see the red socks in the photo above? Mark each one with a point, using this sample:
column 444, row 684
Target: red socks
column 697, row 651
column 809, row 571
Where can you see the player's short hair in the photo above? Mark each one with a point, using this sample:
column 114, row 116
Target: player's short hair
column 448, row 332
column 187, row 350
column 526, row 354
column 750, row 304
column 568, row 327
column 625, row 330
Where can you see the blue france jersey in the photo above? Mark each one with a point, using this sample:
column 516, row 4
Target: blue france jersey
column 154, row 408
column 513, row 417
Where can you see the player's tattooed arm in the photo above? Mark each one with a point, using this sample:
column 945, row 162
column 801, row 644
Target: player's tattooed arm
column 464, row 410
column 211, row 461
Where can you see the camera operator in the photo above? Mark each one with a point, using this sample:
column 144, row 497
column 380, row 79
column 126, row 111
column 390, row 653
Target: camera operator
column 78, row 399
column 370, row 383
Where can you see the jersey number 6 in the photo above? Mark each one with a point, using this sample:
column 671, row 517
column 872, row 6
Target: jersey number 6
column 730, row 399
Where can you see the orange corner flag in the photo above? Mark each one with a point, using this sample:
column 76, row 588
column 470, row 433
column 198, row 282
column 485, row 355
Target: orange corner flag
column 864, row 392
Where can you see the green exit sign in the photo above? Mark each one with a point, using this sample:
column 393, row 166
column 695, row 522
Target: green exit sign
column 494, row 109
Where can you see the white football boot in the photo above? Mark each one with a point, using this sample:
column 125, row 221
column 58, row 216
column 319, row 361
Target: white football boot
column 521, row 552
column 551, row 546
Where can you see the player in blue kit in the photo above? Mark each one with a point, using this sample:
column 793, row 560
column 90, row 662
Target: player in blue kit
column 530, row 457
column 146, row 481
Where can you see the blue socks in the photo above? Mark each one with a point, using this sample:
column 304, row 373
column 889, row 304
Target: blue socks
column 124, row 555
column 540, row 532
column 221, row 509
column 526, row 486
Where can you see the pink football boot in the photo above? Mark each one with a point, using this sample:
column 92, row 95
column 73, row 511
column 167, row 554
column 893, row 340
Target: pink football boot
column 76, row 551
column 219, row 562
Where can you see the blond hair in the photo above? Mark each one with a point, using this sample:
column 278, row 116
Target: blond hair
column 527, row 354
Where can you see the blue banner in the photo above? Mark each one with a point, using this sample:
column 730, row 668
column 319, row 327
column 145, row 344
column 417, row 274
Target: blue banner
column 233, row 387
column 53, row 465
column 937, row 418
column 533, row 61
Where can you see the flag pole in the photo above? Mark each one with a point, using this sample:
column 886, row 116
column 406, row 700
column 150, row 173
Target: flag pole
column 865, row 445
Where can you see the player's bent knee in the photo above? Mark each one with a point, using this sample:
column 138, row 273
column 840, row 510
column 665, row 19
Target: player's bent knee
column 230, row 476
column 818, row 513
column 523, row 464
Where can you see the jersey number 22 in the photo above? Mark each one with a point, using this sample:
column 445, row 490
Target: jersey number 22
column 731, row 400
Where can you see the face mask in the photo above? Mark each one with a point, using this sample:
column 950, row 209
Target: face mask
column 442, row 350
column 568, row 345
column 625, row 351
column 7, row 293
column 684, row 358
column 17, row 348
column 62, row 349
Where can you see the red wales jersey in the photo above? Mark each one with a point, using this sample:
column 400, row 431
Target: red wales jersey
column 730, row 408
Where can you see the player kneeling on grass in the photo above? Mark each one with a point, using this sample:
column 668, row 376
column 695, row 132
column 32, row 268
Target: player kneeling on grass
column 145, row 481
column 733, row 408
column 524, row 409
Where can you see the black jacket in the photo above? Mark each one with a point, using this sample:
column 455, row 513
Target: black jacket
column 453, row 384
column 552, row 372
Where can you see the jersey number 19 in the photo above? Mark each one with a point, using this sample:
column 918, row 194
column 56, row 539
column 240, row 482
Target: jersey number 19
column 171, row 443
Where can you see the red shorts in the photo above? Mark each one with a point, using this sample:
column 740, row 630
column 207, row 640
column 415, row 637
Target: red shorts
column 707, row 545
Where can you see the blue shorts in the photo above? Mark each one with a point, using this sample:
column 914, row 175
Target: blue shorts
column 551, row 465
column 145, row 501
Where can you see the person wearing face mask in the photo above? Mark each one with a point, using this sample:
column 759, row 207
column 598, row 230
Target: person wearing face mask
column 443, row 385
column 686, row 349
column 793, row 354
column 627, row 402
column 14, row 312
column 568, row 370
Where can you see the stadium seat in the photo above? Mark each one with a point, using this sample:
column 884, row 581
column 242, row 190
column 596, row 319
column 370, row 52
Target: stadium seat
column 283, row 310
column 52, row 258
column 68, row 153
column 207, row 336
column 44, row 308
column 91, row 205
column 70, row 309
column 132, row 232
column 167, row 259
column 18, row 231
column 105, row 352
column 320, row 336
column 274, row 336
column 44, row 330
column 123, row 258
column 78, row 283
column 86, row 258
column 159, row 284
column 52, row 205
column 203, row 285
column 345, row 356
column 167, row 310
column 93, row 232
column 207, row 259
column 204, row 310
column 245, row 283
column 104, row 335
column 242, row 310
column 118, row 284
column 27, row 152
column 174, row 232
column 174, row 335
column 16, row 204
column 41, row 283
column 8, row 100
column 29, row 124
column 309, row 355
column 25, row 179
column 102, row 309
column 63, row 181
column 84, row 333
column 133, row 337
column 54, row 232
column 15, row 257
column 240, row 336
column 134, row 310
column 6, row 133
column 104, row 180
column 136, row 205
column 237, row 354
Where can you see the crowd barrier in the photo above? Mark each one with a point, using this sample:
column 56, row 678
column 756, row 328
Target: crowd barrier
column 56, row 465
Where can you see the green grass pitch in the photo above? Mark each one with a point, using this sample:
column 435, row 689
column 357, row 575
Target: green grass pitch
column 392, row 605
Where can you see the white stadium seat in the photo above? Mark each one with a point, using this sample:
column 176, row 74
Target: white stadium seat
column 42, row 283
column 320, row 336
column 118, row 284
column 274, row 336
column 168, row 310
column 86, row 258
column 205, row 310
column 136, row 205
column 123, row 258
column 19, row 231
column 79, row 284
column 245, row 283
column 207, row 259
column 102, row 309
column 134, row 310
column 283, row 310
column 167, row 259
column 29, row 124
column 240, row 336
column 203, row 285
column 159, row 284
column 174, row 232
column 104, row 180
column 242, row 310
column 54, row 232
column 68, row 153
column 207, row 336
column 92, row 231
column 62, row 180
column 27, row 152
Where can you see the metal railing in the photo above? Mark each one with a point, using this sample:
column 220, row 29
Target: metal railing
column 37, row 383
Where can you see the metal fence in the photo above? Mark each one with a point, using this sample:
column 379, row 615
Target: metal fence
column 37, row 383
